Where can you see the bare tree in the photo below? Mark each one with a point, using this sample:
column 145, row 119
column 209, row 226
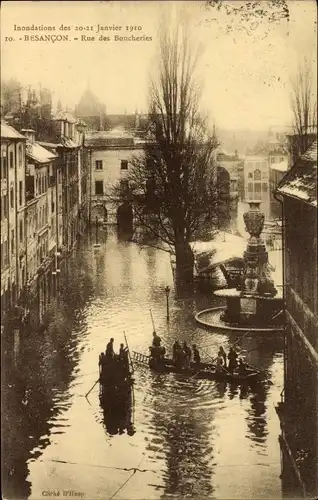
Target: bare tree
column 304, row 107
column 173, row 183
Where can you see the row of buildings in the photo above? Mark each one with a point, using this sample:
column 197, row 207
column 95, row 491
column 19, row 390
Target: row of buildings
column 44, row 209
column 297, row 194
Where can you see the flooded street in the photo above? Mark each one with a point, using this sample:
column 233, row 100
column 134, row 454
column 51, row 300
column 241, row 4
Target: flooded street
column 190, row 437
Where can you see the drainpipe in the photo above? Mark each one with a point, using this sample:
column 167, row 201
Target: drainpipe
column 90, row 189
column 280, row 200
column 16, row 221
column 9, row 231
column 55, row 163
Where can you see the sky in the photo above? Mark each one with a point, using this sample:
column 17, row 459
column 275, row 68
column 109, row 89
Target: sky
column 245, row 78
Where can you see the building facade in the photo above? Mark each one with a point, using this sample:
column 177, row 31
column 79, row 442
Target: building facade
column 256, row 181
column 41, row 243
column 110, row 156
column 44, row 210
column 298, row 409
column 72, row 179
column 230, row 186
column 13, row 248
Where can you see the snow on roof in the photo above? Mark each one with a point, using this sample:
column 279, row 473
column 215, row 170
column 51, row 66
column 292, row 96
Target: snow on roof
column 8, row 132
column 223, row 248
column 117, row 137
column 280, row 167
column 64, row 116
column 39, row 153
column 301, row 180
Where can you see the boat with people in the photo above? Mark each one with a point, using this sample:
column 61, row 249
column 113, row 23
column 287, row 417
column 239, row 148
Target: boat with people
column 235, row 371
column 115, row 375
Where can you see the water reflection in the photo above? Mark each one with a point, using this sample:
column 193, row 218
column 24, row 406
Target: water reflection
column 191, row 430
column 119, row 419
column 34, row 392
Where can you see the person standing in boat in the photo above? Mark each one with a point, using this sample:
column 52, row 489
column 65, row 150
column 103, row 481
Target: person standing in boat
column 187, row 354
column 175, row 351
column 219, row 364
column 232, row 359
column 157, row 351
column 242, row 367
column 110, row 349
column 123, row 356
column 196, row 355
column 156, row 341
column 123, row 351
column 222, row 354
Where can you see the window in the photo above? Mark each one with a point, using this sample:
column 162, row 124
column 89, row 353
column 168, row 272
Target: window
column 12, row 241
column 52, row 203
column 124, row 165
column 257, row 187
column 5, row 206
column 12, row 197
column 3, row 167
column 11, row 159
column 21, row 230
column 124, row 185
column 20, row 154
column 265, row 187
column 250, row 187
column 250, row 175
column 99, row 187
column 257, row 175
column 99, row 164
column 20, row 192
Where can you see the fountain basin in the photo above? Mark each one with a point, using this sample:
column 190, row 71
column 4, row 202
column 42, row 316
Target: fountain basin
column 212, row 319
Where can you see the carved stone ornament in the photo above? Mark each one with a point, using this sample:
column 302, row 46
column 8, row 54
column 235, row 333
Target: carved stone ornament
column 254, row 220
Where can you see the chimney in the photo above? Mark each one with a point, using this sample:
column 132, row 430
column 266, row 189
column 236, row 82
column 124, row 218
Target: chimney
column 29, row 134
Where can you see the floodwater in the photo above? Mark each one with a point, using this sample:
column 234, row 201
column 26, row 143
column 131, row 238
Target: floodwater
column 185, row 436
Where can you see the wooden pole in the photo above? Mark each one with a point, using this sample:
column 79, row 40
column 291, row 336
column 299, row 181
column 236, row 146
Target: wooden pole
column 92, row 388
column 132, row 365
column 153, row 323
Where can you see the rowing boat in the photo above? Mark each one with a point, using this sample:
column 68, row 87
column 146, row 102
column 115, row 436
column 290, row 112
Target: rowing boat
column 115, row 380
column 206, row 371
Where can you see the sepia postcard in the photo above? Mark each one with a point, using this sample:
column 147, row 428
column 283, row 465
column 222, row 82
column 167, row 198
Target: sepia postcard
column 159, row 307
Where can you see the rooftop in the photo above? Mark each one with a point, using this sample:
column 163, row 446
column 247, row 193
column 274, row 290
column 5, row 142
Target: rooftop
column 301, row 180
column 117, row 137
column 281, row 166
column 64, row 116
column 39, row 153
column 8, row 132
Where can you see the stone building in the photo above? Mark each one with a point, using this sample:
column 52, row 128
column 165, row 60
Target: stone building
column 72, row 177
column 13, row 248
column 229, row 167
column 44, row 209
column 256, row 181
column 41, row 223
column 110, row 155
column 298, row 410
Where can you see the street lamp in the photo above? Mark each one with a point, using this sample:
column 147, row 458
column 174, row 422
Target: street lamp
column 167, row 290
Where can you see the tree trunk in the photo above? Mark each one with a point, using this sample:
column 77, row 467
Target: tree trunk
column 184, row 265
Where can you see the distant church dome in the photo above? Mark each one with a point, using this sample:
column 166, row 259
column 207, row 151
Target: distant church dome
column 91, row 111
column 88, row 105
